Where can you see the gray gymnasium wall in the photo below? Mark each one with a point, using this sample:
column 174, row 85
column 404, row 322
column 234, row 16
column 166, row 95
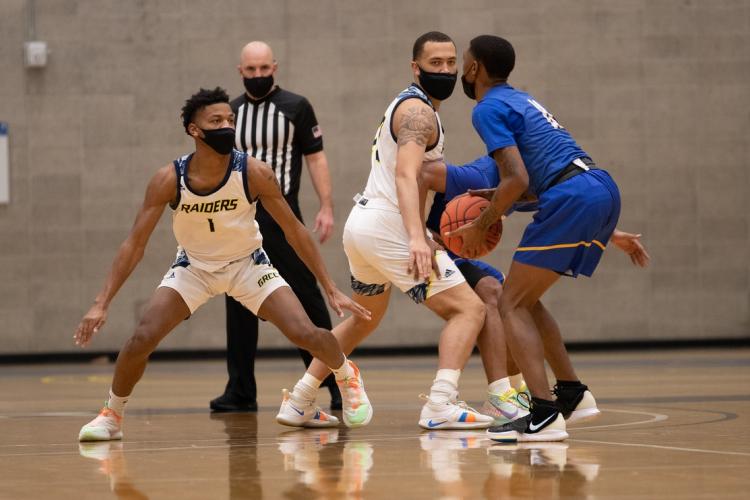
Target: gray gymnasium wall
column 656, row 91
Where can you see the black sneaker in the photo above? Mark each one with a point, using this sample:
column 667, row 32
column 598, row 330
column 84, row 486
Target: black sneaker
column 229, row 403
column 544, row 423
column 576, row 403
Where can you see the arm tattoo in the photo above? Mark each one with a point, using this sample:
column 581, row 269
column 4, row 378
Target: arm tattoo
column 271, row 177
column 417, row 125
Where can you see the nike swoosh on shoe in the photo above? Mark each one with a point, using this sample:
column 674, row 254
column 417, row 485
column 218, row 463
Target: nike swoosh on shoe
column 534, row 428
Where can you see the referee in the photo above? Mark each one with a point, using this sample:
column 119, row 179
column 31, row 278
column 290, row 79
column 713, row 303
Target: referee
column 279, row 128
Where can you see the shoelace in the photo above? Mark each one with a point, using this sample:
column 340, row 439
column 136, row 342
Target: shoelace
column 460, row 404
column 526, row 399
column 108, row 412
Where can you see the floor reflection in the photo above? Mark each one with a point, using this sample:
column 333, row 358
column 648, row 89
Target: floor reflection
column 328, row 465
column 540, row 470
column 242, row 438
column 112, row 463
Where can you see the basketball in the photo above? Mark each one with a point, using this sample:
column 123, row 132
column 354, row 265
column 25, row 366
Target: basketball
column 463, row 210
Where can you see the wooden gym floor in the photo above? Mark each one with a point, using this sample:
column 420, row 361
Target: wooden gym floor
column 674, row 424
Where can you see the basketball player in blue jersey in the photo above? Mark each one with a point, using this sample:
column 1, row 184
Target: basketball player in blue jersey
column 480, row 177
column 386, row 242
column 579, row 205
column 213, row 193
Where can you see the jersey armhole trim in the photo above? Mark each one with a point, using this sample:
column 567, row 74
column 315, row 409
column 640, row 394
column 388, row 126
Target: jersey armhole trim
column 245, row 182
column 176, row 203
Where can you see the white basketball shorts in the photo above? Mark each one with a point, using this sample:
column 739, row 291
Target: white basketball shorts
column 377, row 246
column 249, row 280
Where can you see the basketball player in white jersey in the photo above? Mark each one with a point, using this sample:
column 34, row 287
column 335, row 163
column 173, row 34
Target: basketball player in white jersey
column 213, row 194
column 386, row 241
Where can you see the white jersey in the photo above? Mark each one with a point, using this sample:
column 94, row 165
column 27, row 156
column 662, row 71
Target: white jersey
column 215, row 228
column 380, row 191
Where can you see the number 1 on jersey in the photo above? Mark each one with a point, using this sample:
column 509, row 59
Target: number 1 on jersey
column 211, row 225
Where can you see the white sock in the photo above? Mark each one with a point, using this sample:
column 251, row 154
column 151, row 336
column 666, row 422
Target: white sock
column 445, row 386
column 499, row 387
column 517, row 380
column 304, row 390
column 448, row 375
column 117, row 403
column 343, row 371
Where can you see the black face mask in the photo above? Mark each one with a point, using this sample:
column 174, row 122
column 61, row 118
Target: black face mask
column 437, row 85
column 259, row 86
column 220, row 140
column 469, row 88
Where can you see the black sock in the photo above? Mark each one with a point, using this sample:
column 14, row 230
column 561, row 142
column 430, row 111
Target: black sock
column 569, row 383
column 539, row 402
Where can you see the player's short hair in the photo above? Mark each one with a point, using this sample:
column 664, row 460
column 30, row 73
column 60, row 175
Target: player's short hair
column 496, row 54
column 430, row 36
column 199, row 100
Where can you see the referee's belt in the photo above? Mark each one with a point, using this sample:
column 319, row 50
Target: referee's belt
column 577, row 166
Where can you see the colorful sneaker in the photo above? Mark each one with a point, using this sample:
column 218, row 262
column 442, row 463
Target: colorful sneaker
column 576, row 403
column 105, row 427
column 505, row 407
column 524, row 395
column 357, row 410
column 451, row 415
column 544, row 425
column 296, row 412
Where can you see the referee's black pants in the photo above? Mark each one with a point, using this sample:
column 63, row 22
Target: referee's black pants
column 242, row 325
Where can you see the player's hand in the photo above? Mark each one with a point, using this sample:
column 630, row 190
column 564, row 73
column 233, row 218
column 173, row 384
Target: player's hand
column 338, row 301
column 323, row 224
column 435, row 246
column 631, row 245
column 420, row 259
column 90, row 324
column 472, row 239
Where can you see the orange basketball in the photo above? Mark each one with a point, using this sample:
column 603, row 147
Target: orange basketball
column 463, row 210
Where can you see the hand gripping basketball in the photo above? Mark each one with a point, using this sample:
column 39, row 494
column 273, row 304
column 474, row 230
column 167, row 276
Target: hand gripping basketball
column 463, row 210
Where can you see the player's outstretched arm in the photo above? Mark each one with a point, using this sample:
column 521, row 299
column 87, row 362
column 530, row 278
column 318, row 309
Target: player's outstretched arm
column 264, row 186
column 631, row 245
column 415, row 126
column 160, row 191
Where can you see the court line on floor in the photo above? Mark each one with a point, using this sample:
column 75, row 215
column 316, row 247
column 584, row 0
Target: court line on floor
column 655, row 417
column 663, row 447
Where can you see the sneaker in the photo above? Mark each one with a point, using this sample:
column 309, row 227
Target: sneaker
column 527, row 429
column 295, row 412
column 524, row 395
column 106, row 426
column 451, row 415
column 229, row 403
column 505, row 407
column 357, row 410
column 577, row 404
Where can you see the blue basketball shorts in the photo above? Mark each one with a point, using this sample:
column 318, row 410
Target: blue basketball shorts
column 575, row 220
column 474, row 270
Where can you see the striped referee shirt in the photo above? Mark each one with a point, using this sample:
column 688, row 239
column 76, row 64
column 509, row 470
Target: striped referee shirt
column 278, row 130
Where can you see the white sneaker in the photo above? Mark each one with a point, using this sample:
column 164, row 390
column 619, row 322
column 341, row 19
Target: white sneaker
column 296, row 412
column 357, row 410
column 505, row 407
column 451, row 415
column 105, row 427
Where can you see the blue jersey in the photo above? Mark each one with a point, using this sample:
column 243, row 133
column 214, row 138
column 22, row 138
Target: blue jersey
column 478, row 174
column 508, row 117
